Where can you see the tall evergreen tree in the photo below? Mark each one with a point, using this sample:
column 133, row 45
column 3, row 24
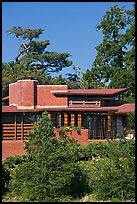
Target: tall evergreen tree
column 33, row 61
column 34, row 54
column 114, row 65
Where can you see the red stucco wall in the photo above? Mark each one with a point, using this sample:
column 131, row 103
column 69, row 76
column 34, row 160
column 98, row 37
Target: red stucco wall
column 22, row 93
column 46, row 98
column 12, row 148
column 27, row 94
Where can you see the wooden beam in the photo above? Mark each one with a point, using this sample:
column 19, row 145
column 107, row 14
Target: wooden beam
column 59, row 120
column 109, row 122
column 15, row 126
column 22, row 127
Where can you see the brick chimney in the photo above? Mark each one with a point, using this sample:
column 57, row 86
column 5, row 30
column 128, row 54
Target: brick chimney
column 23, row 94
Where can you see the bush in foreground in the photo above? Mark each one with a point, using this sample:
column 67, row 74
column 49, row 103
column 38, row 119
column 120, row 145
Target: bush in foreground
column 108, row 149
column 50, row 171
column 111, row 178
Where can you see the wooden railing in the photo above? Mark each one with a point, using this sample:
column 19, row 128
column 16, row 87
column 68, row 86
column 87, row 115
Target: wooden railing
column 15, row 131
column 84, row 104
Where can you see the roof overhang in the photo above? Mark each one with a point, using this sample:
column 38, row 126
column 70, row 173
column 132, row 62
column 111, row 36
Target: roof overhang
column 122, row 109
column 13, row 109
column 90, row 92
column 126, row 108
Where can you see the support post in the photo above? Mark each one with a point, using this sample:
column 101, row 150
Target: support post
column 15, row 126
column 59, row 120
column 72, row 119
column 65, row 119
column 109, row 122
column 22, row 127
column 79, row 119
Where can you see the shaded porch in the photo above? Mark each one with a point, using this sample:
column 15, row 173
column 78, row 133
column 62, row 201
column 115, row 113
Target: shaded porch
column 15, row 126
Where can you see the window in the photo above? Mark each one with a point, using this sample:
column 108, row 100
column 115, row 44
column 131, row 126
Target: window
column 76, row 119
column 8, row 118
column 117, row 98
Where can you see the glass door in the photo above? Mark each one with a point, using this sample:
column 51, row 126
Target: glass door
column 90, row 124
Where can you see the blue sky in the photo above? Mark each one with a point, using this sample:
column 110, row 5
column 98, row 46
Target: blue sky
column 69, row 26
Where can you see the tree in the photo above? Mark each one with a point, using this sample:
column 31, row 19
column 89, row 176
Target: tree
column 114, row 65
column 34, row 53
column 131, row 119
column 33, row 61
column 12, row 72
column 73, row 79
column 50, row 171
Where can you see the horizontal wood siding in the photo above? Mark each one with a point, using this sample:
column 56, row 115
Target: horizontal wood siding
column 15, row 131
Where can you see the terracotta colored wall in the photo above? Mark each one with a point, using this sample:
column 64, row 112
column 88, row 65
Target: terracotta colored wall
column 27, row 94
column 82, row 137
column 46, row 98
column 23, row 93
column 27, row 90
column 12, row 148
column 13, row 94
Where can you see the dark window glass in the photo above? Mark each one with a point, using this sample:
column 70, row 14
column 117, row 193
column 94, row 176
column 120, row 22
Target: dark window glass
column 76, row 119
column 30, row 118
column 69, row 119
column 8, row 118
column 62, row 119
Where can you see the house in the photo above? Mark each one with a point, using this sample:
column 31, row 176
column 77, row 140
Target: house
column 100, row 113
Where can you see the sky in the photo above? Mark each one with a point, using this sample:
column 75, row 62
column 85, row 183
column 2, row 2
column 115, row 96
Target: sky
column 69, row 26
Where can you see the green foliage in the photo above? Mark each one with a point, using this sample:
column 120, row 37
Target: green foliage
column 131, row 119
column 33, row 53
column 11, row 162
column 33, row 61
column 114, row 65
column 68, row 128
column 5, row 180
column 109, row 149
column 8, row 167
column 12, row 72
column 111, row 171
column 113, row 178
column 50, row 171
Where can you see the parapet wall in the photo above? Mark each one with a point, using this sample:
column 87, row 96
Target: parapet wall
column 26, row 94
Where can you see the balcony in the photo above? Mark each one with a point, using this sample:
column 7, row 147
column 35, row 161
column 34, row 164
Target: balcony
column 84, row 104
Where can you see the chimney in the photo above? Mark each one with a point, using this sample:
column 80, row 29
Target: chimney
column 23, row 94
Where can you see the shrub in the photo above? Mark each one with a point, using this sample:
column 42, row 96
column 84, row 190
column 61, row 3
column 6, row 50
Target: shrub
column 131, row 119
column 50, row 171
column 11, row 162
column 5, row 180
column 108, row 149
column 113, row 178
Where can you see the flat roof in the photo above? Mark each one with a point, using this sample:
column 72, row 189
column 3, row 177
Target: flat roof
column 90, row 92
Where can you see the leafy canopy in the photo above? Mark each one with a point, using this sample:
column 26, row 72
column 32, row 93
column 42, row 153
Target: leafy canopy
column 114, row 65
column 34, row 52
